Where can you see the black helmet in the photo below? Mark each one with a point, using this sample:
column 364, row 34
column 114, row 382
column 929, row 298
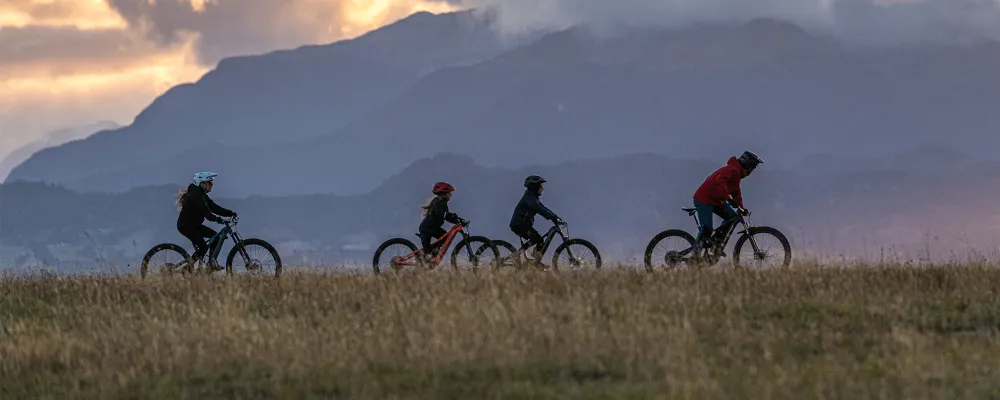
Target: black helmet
column 749, row 160
column 533, row 181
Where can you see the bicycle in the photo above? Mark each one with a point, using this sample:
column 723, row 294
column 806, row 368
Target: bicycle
column 693, row 254
column 402, row 252
column 177, row 259
column 579, row 260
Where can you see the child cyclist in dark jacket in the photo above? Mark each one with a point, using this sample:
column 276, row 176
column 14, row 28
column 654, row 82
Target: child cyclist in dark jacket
column 435, row 214
column 523, row 221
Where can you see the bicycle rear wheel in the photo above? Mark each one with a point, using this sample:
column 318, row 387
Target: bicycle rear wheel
column 507, row 254
column 484, row 254
column 576, row 254
column 670, row 249
column 388, row 256
column 773, row 249
column 254, row 257
column 164, row 259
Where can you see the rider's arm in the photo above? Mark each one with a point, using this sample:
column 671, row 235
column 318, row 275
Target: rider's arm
column 733, row 186
column 537, row 206
column 441, row 211
column 202, row 204
column 219, row 210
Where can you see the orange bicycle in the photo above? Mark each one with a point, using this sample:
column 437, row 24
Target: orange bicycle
column 470, row 253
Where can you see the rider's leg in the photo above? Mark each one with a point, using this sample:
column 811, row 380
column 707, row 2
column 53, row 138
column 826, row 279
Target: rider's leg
column 531, row 237
column 197, row 237
column 535, row 238
column 705, row 215
column 427, row 236
column 727, row 213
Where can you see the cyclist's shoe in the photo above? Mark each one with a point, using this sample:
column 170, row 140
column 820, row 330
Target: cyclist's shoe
column 428, row 260
column 213, row 266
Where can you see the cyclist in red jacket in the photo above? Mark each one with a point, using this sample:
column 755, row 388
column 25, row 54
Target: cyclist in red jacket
column 721, row 191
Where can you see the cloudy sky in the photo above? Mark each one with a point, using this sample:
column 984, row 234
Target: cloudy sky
column 66, row 63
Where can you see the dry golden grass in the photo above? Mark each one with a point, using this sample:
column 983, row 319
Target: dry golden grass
column 800, row 333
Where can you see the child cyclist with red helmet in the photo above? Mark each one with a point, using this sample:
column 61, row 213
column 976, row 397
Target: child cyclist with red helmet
column 435, row 213
column 720, row 192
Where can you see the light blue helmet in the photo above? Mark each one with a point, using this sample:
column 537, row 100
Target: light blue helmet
column 204, row 177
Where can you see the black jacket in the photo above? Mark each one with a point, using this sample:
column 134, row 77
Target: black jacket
column 524, row 213
column 197, row 207
column 436, row 215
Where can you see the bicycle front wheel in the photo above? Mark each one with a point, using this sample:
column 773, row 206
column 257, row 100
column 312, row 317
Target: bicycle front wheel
column 772, row 249
column 254, row 257
column 164, row 259
column 484, row 254
column 576, row 254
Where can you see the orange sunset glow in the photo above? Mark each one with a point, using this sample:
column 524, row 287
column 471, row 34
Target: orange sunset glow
column 52, row 79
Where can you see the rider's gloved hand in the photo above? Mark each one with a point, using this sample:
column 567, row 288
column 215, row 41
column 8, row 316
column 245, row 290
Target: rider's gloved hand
column 558, row 221
column 745, row 212
column 463, row 221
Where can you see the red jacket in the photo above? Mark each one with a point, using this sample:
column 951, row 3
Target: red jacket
column 721, row 184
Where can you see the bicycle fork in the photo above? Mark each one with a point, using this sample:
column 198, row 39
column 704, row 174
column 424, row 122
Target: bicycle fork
column 753, row 241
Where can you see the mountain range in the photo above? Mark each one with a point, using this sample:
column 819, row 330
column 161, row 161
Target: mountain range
column 828, row 206
column 343, row 118
column 51, row 139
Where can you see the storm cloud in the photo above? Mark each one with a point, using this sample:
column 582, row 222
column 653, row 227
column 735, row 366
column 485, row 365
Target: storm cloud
column 859, row 21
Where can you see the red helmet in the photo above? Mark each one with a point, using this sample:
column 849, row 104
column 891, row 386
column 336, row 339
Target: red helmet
column 443, row 187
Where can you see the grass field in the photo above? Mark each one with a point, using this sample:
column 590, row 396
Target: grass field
column 854, row 333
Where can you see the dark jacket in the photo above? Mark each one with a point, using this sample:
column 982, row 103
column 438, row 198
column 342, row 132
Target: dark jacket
column 436, row 215
column 721, row 184
column 196, row 207
column 524, row 213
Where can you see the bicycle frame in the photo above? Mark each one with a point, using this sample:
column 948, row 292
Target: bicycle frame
column 215, row 243
column 445, row 244
column 731, row 225
column 547, row 238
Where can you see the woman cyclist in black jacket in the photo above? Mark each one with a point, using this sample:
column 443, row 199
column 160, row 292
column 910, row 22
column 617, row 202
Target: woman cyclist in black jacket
column 195, row 207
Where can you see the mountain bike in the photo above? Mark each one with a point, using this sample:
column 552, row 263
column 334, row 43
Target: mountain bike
column 572, row 253
column 253, row 256
column 399, row 253
column 673, row 248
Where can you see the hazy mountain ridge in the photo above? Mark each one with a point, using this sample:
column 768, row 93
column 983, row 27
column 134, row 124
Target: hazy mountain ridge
column 55, row 138
column 682, row 92
column 276, row 97
column 619, row 203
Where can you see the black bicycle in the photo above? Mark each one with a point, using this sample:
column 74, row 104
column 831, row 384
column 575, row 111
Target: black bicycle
column 572, row 253
column 253, row 256
column 674, row 248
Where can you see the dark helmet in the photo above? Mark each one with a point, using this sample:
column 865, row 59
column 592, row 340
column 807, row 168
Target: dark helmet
column 443, row 187
column 533, row 181
column 749, row 160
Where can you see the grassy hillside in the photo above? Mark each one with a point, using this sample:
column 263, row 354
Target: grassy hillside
column 804, row 333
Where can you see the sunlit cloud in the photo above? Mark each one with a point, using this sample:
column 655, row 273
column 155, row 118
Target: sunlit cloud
column 83, row 14
column 360, row 16
column 41, row 97
column 66, row 63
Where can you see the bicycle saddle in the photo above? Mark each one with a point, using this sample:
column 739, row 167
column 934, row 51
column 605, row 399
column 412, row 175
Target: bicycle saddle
column 690, row 211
